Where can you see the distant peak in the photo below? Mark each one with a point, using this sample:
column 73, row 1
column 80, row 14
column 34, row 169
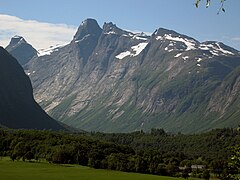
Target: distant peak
column 109, row 25
column 110, row 28
column 163, row 31
column 88, row 26
column 89, row 21
column 17, row 39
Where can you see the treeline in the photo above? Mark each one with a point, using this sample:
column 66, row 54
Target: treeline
column 209, row 146
column 155, row 153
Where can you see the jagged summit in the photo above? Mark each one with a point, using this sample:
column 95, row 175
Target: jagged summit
column 88, row 27
column 16, row 40
column 113, row 80
column 110, row 28
column 163, row 31
column 21, row 49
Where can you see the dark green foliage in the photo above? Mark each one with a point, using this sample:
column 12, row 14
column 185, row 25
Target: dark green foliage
column 185, row 173
column 208, row 4
column 234, row 163
column 209, row 146
column 157, row 152
column 206, row 174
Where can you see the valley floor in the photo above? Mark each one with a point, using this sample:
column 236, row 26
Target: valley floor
column 20, row 170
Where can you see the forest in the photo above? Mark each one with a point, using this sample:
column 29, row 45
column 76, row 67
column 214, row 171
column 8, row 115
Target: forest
column 214, row 153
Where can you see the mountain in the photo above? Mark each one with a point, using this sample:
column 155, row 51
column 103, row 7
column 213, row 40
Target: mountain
column 108, row 79
column 17, row 106
column 21, row 50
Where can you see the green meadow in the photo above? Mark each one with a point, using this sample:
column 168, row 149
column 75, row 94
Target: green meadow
column 44, row 171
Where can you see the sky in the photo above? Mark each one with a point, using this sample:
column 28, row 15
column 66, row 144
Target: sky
column 50, row 22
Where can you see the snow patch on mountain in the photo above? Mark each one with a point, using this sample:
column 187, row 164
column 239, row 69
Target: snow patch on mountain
column 50, row 50
column 126, row 35
column 123, row 55
column 76, row 41
column 215, row 49
column 179, row 54
column 159, row 38
column 138, row 48
column 199, row 59
column 222, row 50
column 190, row 44
column 135, row 50
column 140, row 38
column 203, row 47
column 111, row 32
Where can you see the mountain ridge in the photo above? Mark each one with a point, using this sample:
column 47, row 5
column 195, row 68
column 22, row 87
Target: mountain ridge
column 112, row 80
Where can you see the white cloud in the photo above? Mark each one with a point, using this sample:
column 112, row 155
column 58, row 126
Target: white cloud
column 38, row 34
column 236, row 39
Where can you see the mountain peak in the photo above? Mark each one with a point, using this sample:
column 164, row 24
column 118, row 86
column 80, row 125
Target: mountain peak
column 163, row 31
column 17, row 40
column 17, row 37
column 110, row 28
column 114, row 80
column 88, row 22
column 21, row 50
column 88, row 26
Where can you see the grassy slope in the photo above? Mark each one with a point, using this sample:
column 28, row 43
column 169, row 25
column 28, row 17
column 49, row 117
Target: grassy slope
column 25, row 170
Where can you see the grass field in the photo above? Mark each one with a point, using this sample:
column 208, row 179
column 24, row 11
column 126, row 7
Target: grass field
column 44, row 171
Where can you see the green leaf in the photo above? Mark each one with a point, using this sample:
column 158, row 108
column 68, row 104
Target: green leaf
column 197, row 3
column 208, row 3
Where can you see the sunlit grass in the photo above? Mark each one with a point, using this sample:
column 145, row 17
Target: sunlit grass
column 44, row 171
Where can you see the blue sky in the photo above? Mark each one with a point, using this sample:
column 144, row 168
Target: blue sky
column 141, row 15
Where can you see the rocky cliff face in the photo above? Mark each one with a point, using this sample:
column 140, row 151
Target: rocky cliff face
column 117, row 81
column 17, row 106
column 20, row 49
